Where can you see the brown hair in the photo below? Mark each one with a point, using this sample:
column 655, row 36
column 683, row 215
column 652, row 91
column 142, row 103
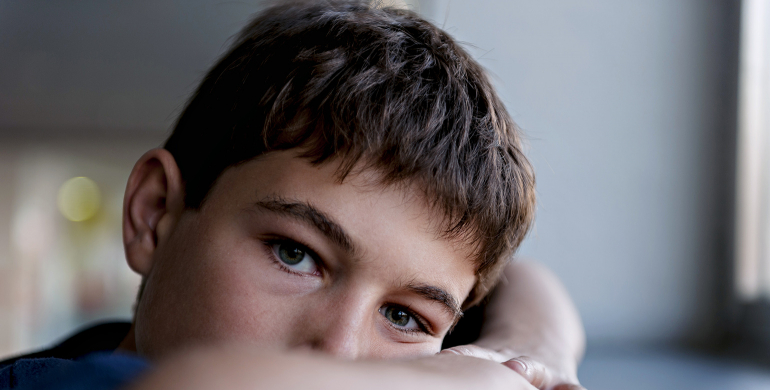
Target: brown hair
column 362, row 85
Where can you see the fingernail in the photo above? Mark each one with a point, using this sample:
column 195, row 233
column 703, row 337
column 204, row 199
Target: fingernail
column 517, row 366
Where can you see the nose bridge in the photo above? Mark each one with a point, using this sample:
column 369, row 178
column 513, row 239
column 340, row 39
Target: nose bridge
column 343, row 324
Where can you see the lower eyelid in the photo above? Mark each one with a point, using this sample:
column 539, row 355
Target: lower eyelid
column 267, row 246
column 416, row 335
column 287, row 269
column 423, row 326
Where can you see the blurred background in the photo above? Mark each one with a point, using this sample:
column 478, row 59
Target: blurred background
column 646, row 122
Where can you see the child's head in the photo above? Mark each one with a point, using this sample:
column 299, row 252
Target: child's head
column 328, row 124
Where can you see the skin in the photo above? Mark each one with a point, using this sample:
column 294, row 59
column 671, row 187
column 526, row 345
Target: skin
column 376, row 281
column 532, row 327
column 236, row 368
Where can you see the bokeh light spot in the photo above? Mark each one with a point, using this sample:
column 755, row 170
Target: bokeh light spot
column 79, row 199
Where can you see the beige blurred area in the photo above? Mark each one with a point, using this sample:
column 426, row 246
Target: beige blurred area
column 61, row 253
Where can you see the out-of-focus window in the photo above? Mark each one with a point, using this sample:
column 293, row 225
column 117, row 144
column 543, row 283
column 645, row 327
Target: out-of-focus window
column 61, row 253
column 752, row 272
column 750, row 328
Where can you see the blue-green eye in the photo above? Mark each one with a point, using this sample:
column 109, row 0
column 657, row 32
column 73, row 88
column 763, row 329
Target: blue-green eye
column 295, row 257
column 400, row 318
column 291, row 255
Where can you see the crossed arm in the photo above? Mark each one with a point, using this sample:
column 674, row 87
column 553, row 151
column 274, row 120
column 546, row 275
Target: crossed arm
column 532, row 337
column 533, row 328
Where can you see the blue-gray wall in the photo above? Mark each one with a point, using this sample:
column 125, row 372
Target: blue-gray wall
column 627, row 107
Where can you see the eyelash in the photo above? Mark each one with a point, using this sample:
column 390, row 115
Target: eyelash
column 269, row 243
column 421, row 323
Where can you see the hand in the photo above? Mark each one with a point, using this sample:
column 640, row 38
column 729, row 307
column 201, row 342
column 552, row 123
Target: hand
column 536, row 373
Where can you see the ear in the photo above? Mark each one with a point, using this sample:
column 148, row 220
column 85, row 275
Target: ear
column 152, row 205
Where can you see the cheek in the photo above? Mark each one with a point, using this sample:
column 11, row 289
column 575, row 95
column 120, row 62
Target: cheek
column 204, row 292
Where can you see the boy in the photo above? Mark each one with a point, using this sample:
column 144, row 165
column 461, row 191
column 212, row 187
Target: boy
column 343, row 182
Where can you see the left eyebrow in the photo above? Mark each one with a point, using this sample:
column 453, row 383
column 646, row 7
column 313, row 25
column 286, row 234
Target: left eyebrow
column 439, row 295
column 309, row 214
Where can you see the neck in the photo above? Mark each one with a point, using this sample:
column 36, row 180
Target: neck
column 129, row 342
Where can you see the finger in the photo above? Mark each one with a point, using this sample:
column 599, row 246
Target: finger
column 533, row 371
column 471, row 350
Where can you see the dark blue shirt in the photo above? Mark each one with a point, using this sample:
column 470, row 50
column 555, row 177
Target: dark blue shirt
column 83, row 361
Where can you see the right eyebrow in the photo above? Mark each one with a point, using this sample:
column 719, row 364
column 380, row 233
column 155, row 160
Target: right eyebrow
column 439, row 295
column 308, row 214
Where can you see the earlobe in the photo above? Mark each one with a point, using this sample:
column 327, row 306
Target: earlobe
column 153, row 202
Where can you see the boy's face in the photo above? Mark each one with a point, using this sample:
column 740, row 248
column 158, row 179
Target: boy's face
column 281, row 255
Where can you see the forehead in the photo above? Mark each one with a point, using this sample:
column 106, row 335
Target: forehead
column 393, row 229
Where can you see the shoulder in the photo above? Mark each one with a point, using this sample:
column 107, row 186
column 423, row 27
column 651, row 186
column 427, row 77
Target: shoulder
column 85, row 354
column 105, row 336
column 95, row 371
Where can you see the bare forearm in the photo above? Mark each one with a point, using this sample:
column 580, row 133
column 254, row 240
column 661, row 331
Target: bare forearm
column 531, row 314
column 243, row 369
